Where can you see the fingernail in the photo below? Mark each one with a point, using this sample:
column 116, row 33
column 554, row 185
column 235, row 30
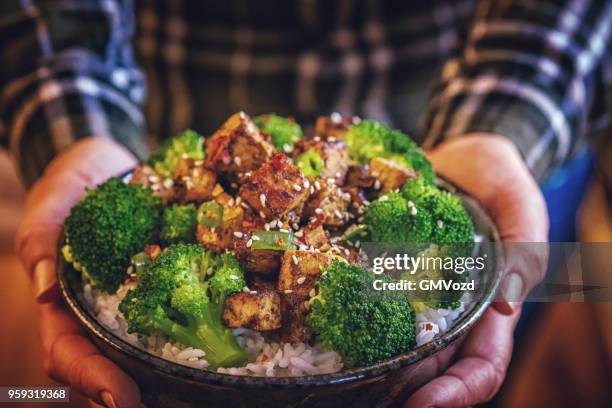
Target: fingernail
column 43, row 280
column 513, row 289
column 107, row 399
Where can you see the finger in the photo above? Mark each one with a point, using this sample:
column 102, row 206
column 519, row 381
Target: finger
column 71, row 358
column 480, row 371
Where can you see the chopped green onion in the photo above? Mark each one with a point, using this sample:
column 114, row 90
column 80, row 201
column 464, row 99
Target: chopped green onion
column 210, row 214
column 275, row 240
column 310, row 163
column 355, row 233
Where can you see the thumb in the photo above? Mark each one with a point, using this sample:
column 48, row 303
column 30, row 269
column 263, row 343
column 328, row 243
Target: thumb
column 86, row 164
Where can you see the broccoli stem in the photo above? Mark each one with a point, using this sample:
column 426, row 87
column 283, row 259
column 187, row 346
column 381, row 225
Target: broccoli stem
column 206, row 333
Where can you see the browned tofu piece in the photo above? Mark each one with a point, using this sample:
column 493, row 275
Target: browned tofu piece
column 391, row 175
column 300, row 271
column 314, row 234
column 146, row 176
column 276, row 188
column 193, row 182
column 330, row 201
column 359, row 176
column 253, row 310
column 264, row 262
column 293, row 312
column 334, row 126
column 222, row 238
column 334, row 155
column 238, row 146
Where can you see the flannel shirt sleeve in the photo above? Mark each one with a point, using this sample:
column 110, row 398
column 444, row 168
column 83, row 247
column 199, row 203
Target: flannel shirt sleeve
column 527, row 70
column 67, row 73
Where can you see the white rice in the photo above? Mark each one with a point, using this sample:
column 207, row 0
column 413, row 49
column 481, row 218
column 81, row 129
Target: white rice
column 270, row 359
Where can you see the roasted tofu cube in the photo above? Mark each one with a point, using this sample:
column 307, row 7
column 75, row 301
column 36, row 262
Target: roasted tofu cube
column 293, row 313
column 313, row 233
column 146, row 176
column 300, row 270
column 193, row 182
column 264, row 262
column 359, row 176
column 330, row 201
column 238, row 146
column 221, row 238
column 333, row 154
column 334, row 126
column 391, row 175
column 253, row 310
column 276, row 188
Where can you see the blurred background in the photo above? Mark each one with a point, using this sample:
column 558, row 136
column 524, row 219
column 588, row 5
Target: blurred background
column 563, row 353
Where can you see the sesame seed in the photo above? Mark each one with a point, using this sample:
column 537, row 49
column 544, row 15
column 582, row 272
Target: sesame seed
column 247, row 174
column 301, row 280
column 262, row 215
column 288, row 291
column 317, row 185
column 312, row 292
column 249, row 243
column 168, row 183
column 295, row 260
column 295, row 226
column 383, row 198
column 238, row 200
column 244, row 205
column 297, row 187
column 231, row 202
column 312, row 190
column 347, row 252
column 255, row 238
column 374, row 173
column 318, row 211
column 262, row 200
column 287, row 148
column 267, row 226
column 284, row 230
column 338, row 213
column 246, row 290
column 413, row 211
column 338, row 174
column 336, row 118
column 440, row 224
column 317, row 138
column 234, row 277
column 233, row 185
column 253, row 292
column 306, row 183
column 331, row 139
column 209, row 271
column 377, row 185
column 238, row 234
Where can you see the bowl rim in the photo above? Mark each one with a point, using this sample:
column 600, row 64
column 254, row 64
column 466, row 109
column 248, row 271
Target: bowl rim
column 460, row 327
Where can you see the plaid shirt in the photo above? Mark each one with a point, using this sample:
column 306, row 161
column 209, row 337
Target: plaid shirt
column 532, row 71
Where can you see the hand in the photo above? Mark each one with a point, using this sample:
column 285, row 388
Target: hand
column 68, row 355
column 490, row 168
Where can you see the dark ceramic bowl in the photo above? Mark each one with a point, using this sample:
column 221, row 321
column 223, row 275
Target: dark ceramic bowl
column 167, row 384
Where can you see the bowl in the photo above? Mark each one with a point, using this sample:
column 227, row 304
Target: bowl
column 388, row 383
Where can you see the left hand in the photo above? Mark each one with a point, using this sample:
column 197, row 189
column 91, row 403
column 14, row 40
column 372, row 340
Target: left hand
column 490, row 168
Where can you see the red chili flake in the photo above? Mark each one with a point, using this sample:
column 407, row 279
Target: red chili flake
column 153, row 251
column 279, row 161
column 264, row 358
column 428, row 326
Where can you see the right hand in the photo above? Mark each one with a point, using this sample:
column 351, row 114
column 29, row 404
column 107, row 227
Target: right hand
column 68, row 355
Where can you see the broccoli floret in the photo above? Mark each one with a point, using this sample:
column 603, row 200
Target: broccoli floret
column 362, row 330
column 392, row 218
column 110, row 224
column 370, row 139
column 188, row 144
column 178, row 224
column 182, row 294
column 284, row 131
column 451, row 222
